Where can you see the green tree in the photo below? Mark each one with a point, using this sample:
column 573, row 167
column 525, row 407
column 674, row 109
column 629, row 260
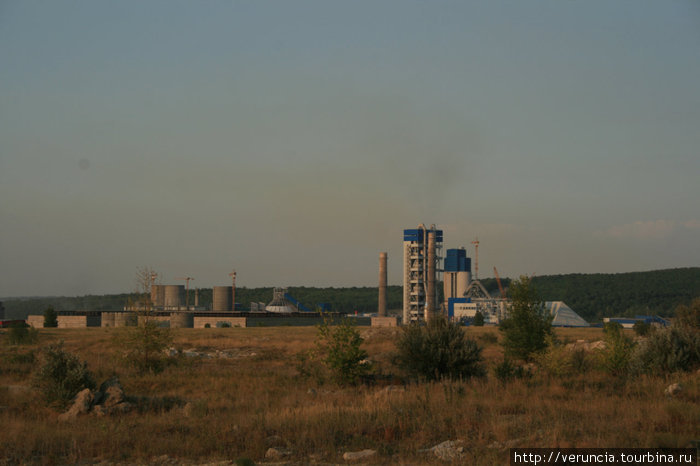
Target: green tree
column 689, row 316
column 528, row 324
column 617, row 354
column 50, row 317
column 146, row 343
column 437, row 350
column 478, row 319
column 341, row 352
column 62, row 376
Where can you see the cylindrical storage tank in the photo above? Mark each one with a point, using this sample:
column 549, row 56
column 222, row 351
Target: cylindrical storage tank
column 221, row 298
column 382, row 284
column 107, row 319
column 182, row 320
column 124, row 319
column 158, row 295
column 173, row 296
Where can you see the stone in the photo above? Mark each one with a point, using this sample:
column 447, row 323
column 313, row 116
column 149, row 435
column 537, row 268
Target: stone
column 673, row 389
column 358, row 455
column 81, row 405
column 276, row 453
column 448, row 450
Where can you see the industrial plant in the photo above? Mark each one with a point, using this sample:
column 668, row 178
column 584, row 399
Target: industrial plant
column 424, row 267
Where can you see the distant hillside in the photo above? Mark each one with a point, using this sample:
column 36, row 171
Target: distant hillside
column 593, row 296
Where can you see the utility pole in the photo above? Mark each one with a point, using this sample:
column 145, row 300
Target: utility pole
column 187, row 290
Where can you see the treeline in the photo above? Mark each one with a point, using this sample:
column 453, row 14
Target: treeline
column 592, row 296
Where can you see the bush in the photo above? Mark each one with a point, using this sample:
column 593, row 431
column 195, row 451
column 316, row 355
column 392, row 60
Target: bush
column 528, row 324
column 668, row 350
column 559, row 361
column 62, row 376
column 146, row 345
column 21, row 334
column 641, row 328
column 616, row 356
column 50, row 318
column 478, row 319
column 438, row 350
column 338, row 355
column 506, row 371
column 689, row 316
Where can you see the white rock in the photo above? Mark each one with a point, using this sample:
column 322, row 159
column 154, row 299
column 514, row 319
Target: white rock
column 673, row 389
column 448, row 450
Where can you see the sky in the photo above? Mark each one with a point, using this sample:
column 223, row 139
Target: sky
column 294, row 141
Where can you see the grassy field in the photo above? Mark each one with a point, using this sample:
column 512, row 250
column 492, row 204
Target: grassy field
column 234, row 407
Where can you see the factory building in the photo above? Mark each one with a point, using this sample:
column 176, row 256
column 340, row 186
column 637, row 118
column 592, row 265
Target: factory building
column 421, row 263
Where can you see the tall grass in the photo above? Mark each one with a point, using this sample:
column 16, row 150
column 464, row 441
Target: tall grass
column 237, row 405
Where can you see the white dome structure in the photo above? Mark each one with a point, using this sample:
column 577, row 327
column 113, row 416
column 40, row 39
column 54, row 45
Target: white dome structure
column 279, row 303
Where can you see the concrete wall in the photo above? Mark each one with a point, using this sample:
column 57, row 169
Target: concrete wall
column 161, row 319
column 200, row 322
column 384, row 321
column 36, row 321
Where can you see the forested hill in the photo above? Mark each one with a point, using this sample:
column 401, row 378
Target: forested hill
column 593, row 296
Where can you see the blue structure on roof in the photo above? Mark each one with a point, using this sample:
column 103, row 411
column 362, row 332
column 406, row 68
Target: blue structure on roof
column 416, row 234
column 456, row 260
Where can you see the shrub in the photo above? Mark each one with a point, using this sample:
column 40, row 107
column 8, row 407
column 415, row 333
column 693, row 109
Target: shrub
column 507, row 370
column 339, row 346
column 62, row 376
column 689, row 316
column 528, row 324
column 337, row 355
column 641, row 328
column 478, row 319
column 145, row 346
column 50, row 318
column 21, row 334
column 438, row 350
column 559, row 361
column 616, row 356
column 668, row 350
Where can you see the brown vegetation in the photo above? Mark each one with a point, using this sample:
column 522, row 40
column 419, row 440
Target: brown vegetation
column 249, row 397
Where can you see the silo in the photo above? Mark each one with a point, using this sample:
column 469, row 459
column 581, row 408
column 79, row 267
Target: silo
column 124, row 319
column 221, row 298
column 158, row 295
column 182, row 320
column 107, row 319
column 173, row 296
column 382, row 284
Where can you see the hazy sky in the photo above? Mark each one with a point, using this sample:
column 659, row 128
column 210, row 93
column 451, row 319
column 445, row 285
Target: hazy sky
column 295, row 140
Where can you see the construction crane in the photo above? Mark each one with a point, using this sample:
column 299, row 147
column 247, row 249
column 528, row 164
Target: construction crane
column 476, row 258
column 500, row 286
column 187, row 290
column 233, row 289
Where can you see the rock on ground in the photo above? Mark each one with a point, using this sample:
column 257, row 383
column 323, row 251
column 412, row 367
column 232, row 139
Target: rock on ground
column 81, row 405
column 448, row 450
column 673, row 389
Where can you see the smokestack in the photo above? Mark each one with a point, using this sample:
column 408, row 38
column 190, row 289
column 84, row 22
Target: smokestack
column 382, row 284
column 430, row 291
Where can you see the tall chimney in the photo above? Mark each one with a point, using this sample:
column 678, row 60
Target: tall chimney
column 430, row 291
column 382, row 284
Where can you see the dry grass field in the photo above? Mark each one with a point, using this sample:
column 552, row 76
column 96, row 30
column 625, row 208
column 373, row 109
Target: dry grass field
column 250, row 397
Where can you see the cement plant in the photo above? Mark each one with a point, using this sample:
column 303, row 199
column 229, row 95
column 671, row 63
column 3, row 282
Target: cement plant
column 424, row 267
